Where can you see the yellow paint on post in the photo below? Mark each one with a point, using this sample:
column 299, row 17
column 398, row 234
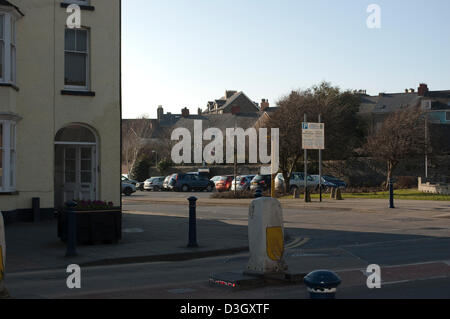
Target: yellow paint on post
column 274, row 243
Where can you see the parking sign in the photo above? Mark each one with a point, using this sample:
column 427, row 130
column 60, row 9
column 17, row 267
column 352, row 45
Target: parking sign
column 313, row 136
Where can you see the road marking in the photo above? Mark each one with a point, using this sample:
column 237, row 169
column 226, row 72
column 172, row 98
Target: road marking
column 297, row 243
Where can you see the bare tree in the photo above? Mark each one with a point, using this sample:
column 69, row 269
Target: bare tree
column 401, row 136
column 339, row 113
column 133, row 134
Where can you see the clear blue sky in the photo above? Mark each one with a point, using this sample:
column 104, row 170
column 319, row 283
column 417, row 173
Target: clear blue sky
column 183, row 53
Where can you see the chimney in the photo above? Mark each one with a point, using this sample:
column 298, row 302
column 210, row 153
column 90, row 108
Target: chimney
column 423, row 89
column 264, row 104
column 185, row 112
column 199, row 111
column 160, row 112
column 229, row 94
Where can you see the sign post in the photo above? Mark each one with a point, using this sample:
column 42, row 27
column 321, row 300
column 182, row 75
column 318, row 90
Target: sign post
column 313, row 138
column 320, row 166
column 305, row 127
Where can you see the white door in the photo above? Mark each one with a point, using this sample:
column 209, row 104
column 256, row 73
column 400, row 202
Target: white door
column 79, row 173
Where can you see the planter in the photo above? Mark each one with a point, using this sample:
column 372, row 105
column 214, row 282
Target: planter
column 93, row 226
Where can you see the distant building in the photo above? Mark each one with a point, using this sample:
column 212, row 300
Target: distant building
column 436, row 104
column 233, row 102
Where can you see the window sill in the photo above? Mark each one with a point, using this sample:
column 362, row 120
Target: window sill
column 15, row 193
column 9, row 85
column 82, row 7
column 77, row 93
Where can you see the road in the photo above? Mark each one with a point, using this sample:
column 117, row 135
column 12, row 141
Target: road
column 337, row 239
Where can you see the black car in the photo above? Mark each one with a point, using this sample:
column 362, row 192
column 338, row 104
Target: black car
column 261, row 181
column 190, row 182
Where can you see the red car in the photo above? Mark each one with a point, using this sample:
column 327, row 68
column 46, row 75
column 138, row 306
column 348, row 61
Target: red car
column 223, row 184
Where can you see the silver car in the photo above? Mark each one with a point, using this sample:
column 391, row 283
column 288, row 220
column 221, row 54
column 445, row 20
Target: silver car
column 154, row 184
column 242, row 183
column 297, row 181
column 128, row 188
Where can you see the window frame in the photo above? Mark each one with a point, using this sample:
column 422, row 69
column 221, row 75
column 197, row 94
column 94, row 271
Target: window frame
column 9, row 156
column 8, row 43
column 80, row 88
column 79, row 2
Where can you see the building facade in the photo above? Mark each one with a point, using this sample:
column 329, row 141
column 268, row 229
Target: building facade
column 60, row 109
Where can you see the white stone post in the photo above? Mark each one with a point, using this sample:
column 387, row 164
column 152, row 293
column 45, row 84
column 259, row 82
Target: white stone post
column 266, row 237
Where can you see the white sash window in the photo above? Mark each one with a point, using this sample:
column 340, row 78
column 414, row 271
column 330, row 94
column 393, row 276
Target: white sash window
column 7, row 156
column 7, row 48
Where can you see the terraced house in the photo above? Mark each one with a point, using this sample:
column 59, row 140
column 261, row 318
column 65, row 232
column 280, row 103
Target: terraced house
column 59, row 105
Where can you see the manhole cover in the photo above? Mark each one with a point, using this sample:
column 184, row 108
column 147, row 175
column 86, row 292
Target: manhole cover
column 133, row 230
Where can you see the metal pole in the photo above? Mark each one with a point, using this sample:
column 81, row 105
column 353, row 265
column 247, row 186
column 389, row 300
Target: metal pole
column 192, row 222
column 426, row 147
column 320, row 166
column 71, row 230
column 306, row 166
column 235, row 159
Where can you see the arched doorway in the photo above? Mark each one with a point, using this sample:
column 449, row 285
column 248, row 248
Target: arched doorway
column 76, row 164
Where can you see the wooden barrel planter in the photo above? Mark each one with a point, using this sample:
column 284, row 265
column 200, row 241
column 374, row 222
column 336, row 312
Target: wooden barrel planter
column 93, row 227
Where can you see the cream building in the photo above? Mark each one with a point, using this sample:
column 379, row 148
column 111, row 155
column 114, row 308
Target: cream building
column 60, row 109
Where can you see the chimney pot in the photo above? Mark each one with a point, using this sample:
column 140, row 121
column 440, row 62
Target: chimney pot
column 185, row 112
column 423, row 89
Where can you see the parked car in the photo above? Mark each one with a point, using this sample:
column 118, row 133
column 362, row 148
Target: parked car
column 189, row 182
column 223, row 184
column 334, row 180
column 128, row 180
column 297, row 181
column 165, row 186
column 215, row 179
column 154, row 184
column 128, row 188
column 262, row 181
column 242, row 183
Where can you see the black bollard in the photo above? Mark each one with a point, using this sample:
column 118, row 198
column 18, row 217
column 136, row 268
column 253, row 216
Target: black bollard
column 258, row 192
column 192, row 222
column 36, row 207
column 391, row 193
column 71, row 230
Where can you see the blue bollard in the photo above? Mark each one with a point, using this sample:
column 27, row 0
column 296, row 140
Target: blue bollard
column 322, row 284
column 192, row 222
column 71, row 230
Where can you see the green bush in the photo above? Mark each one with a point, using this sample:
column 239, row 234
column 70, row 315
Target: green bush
column 140, row 171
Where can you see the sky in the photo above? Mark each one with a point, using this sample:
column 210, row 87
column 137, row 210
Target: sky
column 184, row 53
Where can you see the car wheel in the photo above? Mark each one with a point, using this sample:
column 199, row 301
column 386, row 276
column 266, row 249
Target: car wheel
column 156, row 189
column 209, row 188
column 293, row 188
column 128, row 191
column 185, row 188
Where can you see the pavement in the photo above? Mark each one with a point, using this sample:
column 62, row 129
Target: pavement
column 410, row 243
